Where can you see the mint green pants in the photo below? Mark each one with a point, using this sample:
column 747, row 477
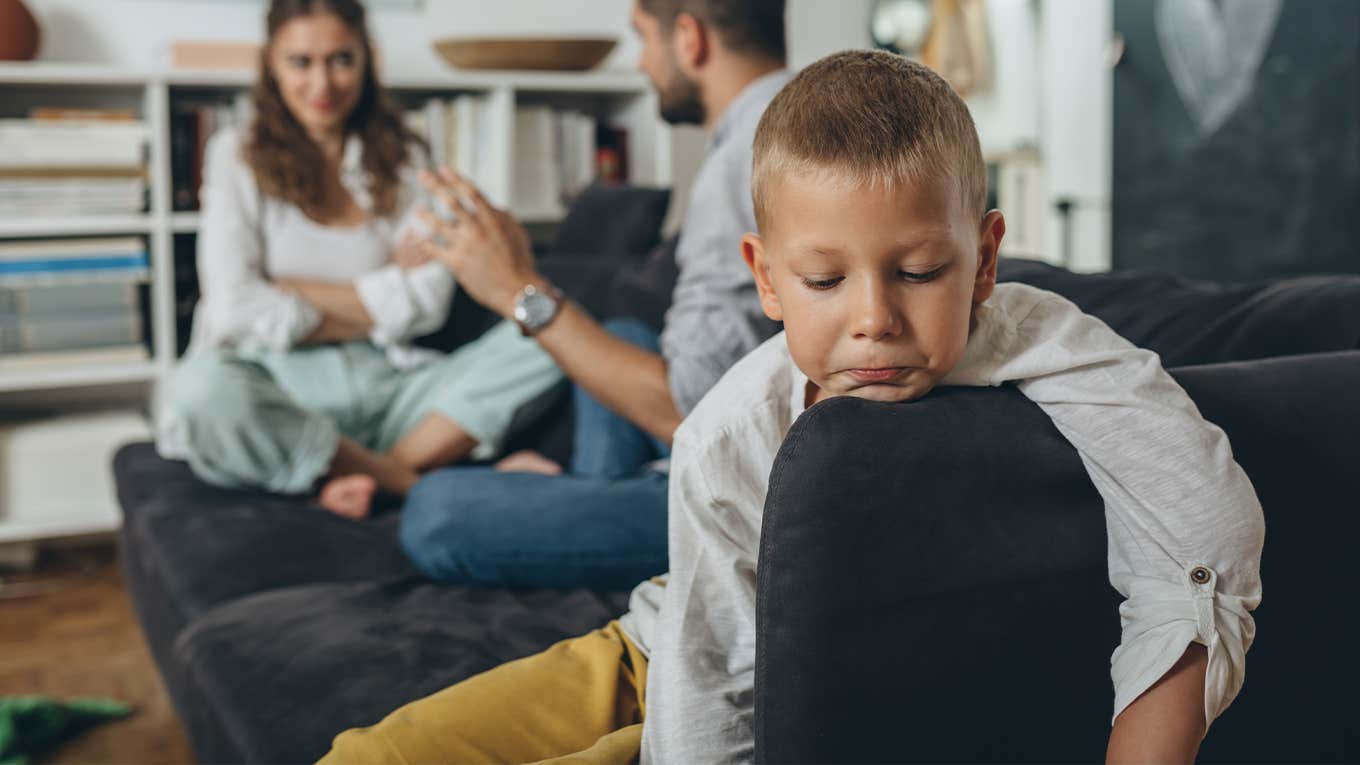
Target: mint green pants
column 273, row 420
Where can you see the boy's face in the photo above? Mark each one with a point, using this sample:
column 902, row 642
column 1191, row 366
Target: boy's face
column 876, row 287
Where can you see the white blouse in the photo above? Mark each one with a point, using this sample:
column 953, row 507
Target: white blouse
column 246, row 239
column 1185, row 529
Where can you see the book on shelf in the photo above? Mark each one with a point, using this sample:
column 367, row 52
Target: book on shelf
column 557, row 153
column 29, row 333
column 123, row 354
column 72, row 163
column 30, row 143
column 576, row 148
column 74, row 194
column 611, row 154
column 73, row 261
column 456, row 130
column 82, row 114
column 65, row 298
column 192, row 124
column 537, row 185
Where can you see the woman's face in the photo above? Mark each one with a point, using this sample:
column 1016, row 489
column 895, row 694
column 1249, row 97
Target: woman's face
column 318, row 63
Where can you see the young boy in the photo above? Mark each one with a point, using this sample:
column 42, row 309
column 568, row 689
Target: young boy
column 876, row 253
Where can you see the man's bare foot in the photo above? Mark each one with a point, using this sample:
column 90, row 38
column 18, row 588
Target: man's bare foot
column 349, row 495
column 529, row 461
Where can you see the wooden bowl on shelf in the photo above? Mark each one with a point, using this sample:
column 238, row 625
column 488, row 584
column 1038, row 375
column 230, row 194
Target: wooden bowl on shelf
column 566, row 54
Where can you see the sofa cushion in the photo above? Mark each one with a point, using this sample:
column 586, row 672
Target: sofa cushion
column 959, row 608
column 1189, row 322
column 186, row 547
column 212, row 545
column 275, row 676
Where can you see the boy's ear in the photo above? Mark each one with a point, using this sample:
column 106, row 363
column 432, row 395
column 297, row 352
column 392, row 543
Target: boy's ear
column 689, row 41
column 753, row 252
column 989, row 247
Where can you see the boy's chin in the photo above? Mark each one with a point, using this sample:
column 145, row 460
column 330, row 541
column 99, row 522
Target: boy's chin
column 885, row 393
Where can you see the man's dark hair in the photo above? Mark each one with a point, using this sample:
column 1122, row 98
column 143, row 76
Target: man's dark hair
column 753, row 27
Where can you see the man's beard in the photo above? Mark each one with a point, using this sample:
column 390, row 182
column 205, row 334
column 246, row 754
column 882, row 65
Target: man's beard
column 680, row 103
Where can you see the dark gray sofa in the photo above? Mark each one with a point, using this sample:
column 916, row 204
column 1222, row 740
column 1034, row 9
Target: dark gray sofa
column 276, row 625
column 973, row 619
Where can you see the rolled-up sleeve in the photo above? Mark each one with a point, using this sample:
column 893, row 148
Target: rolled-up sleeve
column 1185, row 528
column 241, row 307
column 405, row 303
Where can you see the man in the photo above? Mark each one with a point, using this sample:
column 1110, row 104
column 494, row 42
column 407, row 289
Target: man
column 716, row 63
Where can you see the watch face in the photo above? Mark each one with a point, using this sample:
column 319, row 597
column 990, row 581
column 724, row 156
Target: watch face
column 535, row 309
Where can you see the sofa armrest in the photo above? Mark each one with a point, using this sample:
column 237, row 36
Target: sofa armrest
column 932, row 581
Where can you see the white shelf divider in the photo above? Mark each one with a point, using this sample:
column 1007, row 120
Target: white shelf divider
column 76, row 375
column 47, row 73
column 184, row 222
column 76, row 226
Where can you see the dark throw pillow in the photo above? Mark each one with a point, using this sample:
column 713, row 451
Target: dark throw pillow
column 610, row 220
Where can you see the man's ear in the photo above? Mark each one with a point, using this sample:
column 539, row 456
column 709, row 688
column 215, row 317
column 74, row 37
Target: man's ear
column 689, row 42
column 989, row 247
column 753, row 252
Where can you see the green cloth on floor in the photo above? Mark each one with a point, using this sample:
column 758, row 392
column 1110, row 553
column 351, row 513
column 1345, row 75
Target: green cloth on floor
column 30, row 725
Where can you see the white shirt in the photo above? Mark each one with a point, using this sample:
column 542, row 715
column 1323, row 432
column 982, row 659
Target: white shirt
column 1174, row 500
column 246, row 239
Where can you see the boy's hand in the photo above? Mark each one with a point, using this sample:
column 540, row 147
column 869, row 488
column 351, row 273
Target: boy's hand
column 486, row 249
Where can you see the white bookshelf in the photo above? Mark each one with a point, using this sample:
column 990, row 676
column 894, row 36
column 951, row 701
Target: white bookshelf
column 620, row 98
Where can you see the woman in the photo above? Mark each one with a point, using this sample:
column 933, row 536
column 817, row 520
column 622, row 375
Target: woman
column 313, row 283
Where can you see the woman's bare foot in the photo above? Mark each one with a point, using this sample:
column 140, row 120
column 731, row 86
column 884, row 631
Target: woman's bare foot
column 529, row 461
column 349, row 495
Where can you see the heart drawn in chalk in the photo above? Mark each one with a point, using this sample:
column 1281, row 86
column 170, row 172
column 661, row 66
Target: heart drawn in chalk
column 1213, row 51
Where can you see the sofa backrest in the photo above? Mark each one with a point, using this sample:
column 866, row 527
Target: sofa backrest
column 932, row 582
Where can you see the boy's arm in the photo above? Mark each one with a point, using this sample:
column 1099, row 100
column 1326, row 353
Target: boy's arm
column 701, row 676
column 1185, row 527
column 1164, row 724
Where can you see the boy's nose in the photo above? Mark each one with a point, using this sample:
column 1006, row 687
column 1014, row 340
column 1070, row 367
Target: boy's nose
column 876, row 316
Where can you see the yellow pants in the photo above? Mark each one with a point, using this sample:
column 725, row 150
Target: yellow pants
column 581, row 701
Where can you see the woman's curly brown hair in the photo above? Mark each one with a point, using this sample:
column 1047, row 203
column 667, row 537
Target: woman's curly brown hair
column 284, row 158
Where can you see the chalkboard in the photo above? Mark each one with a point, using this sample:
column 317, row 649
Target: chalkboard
column 1237, row 138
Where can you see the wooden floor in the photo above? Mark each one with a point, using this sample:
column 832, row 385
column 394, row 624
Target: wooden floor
column 67, row 629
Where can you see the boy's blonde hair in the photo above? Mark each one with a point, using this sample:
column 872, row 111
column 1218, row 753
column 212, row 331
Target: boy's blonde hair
column 874, row 118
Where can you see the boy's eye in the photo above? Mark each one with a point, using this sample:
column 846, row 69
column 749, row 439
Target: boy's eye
column 345, row 59
column 822, row 284
column 300, row 62
column 920, row 276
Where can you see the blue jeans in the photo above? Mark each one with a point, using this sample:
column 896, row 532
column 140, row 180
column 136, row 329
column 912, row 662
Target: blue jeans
column 601, row 525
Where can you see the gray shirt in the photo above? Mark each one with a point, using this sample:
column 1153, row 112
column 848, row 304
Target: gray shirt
column 715, row 316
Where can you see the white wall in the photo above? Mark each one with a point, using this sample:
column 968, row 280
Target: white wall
column 1077, row 124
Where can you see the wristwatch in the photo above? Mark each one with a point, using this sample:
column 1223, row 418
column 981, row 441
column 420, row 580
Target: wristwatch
column 536, row 308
